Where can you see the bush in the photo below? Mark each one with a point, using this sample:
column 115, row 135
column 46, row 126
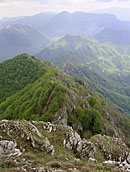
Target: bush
column 71, row 119
column 90, row 118
column 85, row 103
column 97, row 121
column 92, row 101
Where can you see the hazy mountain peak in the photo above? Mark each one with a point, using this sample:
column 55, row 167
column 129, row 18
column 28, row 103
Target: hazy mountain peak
column 64, row 13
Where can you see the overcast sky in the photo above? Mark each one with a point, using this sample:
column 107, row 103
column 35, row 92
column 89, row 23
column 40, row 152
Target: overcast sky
column 11, row 8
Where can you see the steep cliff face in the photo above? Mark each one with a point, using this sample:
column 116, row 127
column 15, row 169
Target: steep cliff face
column 39, row 147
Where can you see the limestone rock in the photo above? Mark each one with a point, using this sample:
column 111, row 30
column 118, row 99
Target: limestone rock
column 113, row 149
column 8, row 149
column 49, row 127
column 82, row 148
column 61, row 117
column 121, row 165
column 28, row 132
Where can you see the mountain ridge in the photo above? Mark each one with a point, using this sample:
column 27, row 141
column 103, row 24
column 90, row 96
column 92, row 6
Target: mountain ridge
column 94, row 58
column 21, row 38
column 57, row 98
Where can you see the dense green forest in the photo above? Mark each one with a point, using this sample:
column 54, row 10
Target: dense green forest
column 16, row 73
column 44, row 98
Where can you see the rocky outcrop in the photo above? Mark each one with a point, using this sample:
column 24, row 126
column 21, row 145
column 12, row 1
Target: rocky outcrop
column 32, row 138
column 113, row 149
column 17, row 137
column 8, row 149
column 125, row 166
column 61, row 117
column 71, row 69
column 82, row 148
column 112, row 131
column 28, row 133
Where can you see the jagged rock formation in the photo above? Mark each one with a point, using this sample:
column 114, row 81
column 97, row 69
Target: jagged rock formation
column 82, row 148
column 11, row 132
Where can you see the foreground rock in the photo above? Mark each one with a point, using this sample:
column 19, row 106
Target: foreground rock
column 114, row 150
column 19, row 137
column 82, row 148
column 8, row 149
column 25, row 135
column 110, row 148
column 125, row 166
column 23, row 141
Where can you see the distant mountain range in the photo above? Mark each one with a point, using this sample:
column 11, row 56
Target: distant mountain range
column 21, row 38
column 114, row 36
column 121, row 13
column 83, row 23
column 33, row 33
column 76, row 23
column 38, row 20
column 103, row 59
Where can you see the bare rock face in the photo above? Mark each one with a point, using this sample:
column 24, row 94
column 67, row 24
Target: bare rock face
column 82, row 148
column 70, row 69
column 8, row 149
column 61, row 117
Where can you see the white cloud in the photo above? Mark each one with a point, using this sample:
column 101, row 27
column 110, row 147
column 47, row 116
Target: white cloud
column 29, row 7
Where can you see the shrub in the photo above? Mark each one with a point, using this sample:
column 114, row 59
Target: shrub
column 92, row 101
column 85, row 103
column 71, row 119
column 75, row 90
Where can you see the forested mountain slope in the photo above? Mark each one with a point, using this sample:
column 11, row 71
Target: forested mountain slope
column 106, row 69
column 16, row 73
column 57, row 98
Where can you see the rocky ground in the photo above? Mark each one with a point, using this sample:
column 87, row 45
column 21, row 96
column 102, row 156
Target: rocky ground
column 44, row 147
